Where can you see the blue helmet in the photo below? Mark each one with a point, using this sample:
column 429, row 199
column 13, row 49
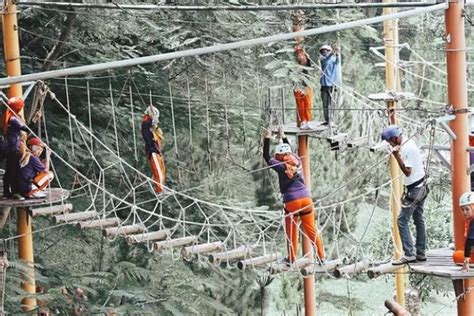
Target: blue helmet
column 391, row 131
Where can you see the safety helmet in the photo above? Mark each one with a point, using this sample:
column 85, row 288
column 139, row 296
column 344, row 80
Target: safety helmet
column 282, row 148
column 154, row 113
column 16, row 104
column 466, row 199
column 391, row 131
column 325, row 47
column 34, row 141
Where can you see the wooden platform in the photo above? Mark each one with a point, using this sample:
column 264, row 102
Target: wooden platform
column 54, row 195
column 292, row 129
column 440, row 263
column 391, row 96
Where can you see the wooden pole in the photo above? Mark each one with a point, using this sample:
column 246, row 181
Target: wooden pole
column 391, row 53
column 457, row 98
column 303, row 152
column 11, row 48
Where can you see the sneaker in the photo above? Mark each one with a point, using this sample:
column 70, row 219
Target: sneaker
column 420, row 258
column 309, row 125
column 321, row 261
column 304, row 125
column 18, row 197
column 324, row 123
column 284, row 261
column 404, row 260
column 37, row 195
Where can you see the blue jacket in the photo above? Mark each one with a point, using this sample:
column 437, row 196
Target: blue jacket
column 331, row 70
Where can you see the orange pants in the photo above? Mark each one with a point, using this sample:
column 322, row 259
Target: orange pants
column 40, row 181
column 158, row 168
column 294, row 211
column 303, row 104
column 458, row 257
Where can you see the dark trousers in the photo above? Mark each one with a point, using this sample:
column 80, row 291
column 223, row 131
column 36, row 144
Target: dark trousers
column 12, row 174
column 327, row 96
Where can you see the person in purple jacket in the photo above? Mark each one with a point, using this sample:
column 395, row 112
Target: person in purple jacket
column 296, row 196
column 34, row 174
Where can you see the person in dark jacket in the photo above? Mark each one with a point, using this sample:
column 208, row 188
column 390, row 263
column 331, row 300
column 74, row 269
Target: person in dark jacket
column 153, row 138
column 296, row 196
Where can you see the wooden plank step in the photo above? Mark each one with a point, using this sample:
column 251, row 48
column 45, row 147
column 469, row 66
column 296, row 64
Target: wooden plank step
column 357, row 142
column 74, row 217
column 297, row 265
column 241, row 252
column 99, row 223
column 348, row 271
column 391, row 96
column 172, row 243
column 385, row 268
column 327, row 266
column 189, row 252
column 160, row 234
column 52, row 210
column 292, row 129
column 258, row 261
column 123, row 230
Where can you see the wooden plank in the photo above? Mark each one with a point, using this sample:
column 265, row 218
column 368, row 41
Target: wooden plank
column 391, row 96
column 385, row 268
column 74, row 217
column 123, row 230
column 241, row 252
column 297, row 265
column 348, row 271
column 160, row 234
column 357, row 142
column 291, row 129
column 53, row 196
column 171, row 243
column 258, row 261
column 189, row 252
column 327, row 266
column 51, row 210
column 99, row 223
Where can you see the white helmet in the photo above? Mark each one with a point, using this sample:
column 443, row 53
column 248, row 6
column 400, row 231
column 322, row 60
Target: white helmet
column 282, row 148
column 326, row 47
column 466, row 199
column 154, row 113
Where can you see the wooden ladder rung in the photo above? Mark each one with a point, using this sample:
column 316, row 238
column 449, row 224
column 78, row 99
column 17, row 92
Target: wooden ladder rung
column 385, row 268
column 348, row 271
column 52, row 210
column 160, row 234
column 241, row 252
column 123, row 230
column 171, row 243
column 258, row 261
column 99, row 223
column 74, row 217
column 327, row 266
column 297, row 265
column 189, row 252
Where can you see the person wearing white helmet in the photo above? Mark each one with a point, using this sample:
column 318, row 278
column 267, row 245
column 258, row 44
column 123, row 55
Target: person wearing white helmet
column 303, row 92
column 330, row 79
column 466, row 202
column 296, row 196
column 408, row 157
column 153, row 137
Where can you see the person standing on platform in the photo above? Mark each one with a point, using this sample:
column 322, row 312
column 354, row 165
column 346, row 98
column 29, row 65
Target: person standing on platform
column 466, row 257
column 153, row 137
column 304, row 94
column 408, row 157
column 296, row 196
column 331, row 74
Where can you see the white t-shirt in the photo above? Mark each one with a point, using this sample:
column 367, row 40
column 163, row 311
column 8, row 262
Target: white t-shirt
column 411, row 157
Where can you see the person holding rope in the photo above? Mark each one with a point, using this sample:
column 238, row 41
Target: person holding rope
column 330, row 79
column 153, row 137
column 303, row 95
column 408, row 156
column 296, row 196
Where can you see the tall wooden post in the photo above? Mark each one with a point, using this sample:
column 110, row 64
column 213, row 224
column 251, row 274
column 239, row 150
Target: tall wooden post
column 11, row 47
column 303, row 152
column 457, row 98
column 391, row 40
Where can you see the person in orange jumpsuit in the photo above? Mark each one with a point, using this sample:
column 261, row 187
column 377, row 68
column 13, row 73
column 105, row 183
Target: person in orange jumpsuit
column 304, row 94
column 466, row 256
column 296, row 196
column 153, row 137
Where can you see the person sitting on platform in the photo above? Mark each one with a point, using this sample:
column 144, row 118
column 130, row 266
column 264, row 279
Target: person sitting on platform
column 330, row 79
column 408, row 157
column 297, row 200
column 34, row 174
column 304, row 97
column 466, row 257
column 13, row 126
column 153, row 137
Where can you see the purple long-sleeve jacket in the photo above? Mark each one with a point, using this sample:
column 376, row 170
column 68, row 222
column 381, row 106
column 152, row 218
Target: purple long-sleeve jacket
column 291, row 189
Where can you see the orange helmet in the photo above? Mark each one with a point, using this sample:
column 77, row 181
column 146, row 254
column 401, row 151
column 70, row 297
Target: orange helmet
column 34, row 141
column 16, row 104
